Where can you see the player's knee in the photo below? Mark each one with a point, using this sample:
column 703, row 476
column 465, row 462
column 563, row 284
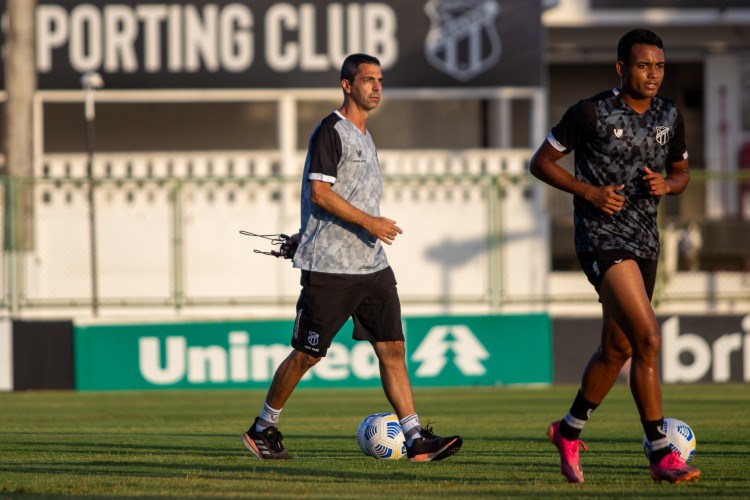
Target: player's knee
column 390, row 351
column 648, row 343
column 616, row 353
column 303, row 360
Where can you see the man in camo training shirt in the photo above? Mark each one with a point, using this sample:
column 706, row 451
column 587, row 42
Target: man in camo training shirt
column 345, row 272
column 629, row 151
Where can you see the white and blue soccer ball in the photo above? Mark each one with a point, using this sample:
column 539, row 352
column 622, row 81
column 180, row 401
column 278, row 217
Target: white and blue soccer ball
column 681, row 439
column 380, row 436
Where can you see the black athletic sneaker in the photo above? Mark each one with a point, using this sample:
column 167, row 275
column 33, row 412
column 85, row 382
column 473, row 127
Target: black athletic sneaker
column 431, row 447
column 266, row 445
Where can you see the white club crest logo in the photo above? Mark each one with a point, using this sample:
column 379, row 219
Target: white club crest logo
column 313, row 338
column 663, row 134
column 463, row 40
column 618, row 132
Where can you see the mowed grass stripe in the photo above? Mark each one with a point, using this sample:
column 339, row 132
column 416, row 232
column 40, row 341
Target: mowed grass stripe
column 186, row 444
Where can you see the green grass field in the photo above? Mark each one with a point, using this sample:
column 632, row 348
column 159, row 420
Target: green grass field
column 186, row 444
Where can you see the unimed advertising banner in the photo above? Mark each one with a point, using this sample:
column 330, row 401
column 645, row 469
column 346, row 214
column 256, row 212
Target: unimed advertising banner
column 272, row 44
column 441, row 351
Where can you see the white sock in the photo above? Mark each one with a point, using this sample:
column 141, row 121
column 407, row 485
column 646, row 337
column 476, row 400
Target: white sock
column 410, row 426
column 269, row 417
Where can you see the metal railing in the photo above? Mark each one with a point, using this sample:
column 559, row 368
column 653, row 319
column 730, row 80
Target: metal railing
column 476, row 236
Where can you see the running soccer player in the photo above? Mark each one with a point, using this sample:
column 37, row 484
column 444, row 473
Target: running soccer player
column 345, row 272
column 629, row 151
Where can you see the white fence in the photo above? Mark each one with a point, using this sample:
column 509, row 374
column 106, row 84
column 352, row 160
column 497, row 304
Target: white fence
column 476, row 237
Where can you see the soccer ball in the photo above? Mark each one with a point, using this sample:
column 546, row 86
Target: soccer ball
column 681, row 439
column 380, row 436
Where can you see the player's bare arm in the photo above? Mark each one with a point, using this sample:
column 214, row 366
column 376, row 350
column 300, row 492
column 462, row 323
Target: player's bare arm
column 544, row 166
column 675, row 182
column 326, row 198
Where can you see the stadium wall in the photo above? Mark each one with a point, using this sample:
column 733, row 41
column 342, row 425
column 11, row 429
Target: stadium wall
column 442, row 351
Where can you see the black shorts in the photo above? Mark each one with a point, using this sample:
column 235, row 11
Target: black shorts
column 327, row 300
column 595, row 264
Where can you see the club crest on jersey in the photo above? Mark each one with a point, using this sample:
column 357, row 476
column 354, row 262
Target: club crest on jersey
column 663, row 134
column 313, row 338
column 618, row 132
column 463, row 40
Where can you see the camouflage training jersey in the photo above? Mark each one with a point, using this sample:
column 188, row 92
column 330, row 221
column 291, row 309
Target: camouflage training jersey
column 340, row 154
column 613, row 144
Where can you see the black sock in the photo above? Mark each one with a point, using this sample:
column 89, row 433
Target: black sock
column 572, row 425
column 654, row 430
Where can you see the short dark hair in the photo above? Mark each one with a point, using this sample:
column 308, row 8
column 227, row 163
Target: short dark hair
column 352, row 62
column 634, row 37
